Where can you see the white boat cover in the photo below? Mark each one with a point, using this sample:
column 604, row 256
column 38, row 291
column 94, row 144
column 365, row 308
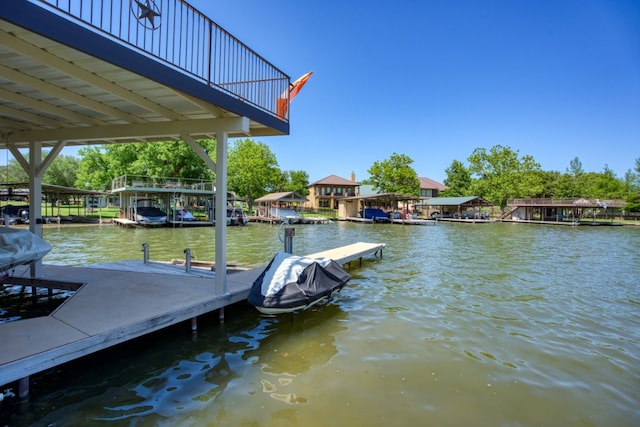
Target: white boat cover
column 292, row 282
column 18, row 246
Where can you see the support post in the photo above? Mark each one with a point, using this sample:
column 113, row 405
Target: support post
column 221, row 215
column 187, row 260
column 145, row 249
column 35, row 198
column 194, row 325
column 23, row 388
column 288, row 239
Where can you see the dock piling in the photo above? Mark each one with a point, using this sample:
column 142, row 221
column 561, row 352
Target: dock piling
column 23, row 388
column 145, row 249
column 289, row 232
column 187, row 260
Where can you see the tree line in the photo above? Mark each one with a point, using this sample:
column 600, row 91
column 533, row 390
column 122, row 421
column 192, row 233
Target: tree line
column 252, row 168
column 499, row 174
column 496, row 174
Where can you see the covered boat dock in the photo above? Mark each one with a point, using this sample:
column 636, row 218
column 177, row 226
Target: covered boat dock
column 101, row 72
column 569, row 211
column 465, row 209
column 396, row 209
column 284, row 206
column 73, row 78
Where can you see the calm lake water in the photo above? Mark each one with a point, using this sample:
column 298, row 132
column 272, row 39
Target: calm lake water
column 457, row 324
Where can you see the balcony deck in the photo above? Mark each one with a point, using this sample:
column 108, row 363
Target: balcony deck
column 92, row 72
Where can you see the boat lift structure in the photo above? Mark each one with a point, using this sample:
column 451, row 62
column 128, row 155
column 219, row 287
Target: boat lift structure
column 94, row 72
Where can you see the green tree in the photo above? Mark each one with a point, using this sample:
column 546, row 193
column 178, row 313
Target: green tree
column 552, row 183
column 608, row 186
column 575, row 167
column 173, row 159
column 13, row 172
column 252, row 170
column 458, row 180
column 570, row 184
column 94, row 168
column 503, row 175
column 99, row 165
column 632, row 178
column 63, row 171
column 395, row 175
column 296, row 181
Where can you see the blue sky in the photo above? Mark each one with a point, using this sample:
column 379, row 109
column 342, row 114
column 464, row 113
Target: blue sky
column 437, row 79
column 554, row 79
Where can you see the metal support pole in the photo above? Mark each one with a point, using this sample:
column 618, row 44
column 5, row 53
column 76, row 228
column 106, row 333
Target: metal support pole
column 221, row 213
column 23, row 388
column 187, row 260
column 194, row 325
column 288, row 239
column 145, row 249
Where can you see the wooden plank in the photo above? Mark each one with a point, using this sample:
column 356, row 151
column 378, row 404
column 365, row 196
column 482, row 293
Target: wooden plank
column 351, row 252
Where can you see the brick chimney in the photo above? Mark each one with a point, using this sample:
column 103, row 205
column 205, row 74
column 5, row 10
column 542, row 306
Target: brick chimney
column 353, row 176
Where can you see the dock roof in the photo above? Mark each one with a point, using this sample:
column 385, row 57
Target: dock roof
column 287, row 196
column 457, row 201
column 81, row 79
column 384, row 197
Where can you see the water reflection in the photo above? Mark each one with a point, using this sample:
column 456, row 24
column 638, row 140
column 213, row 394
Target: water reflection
column 292, row 344
column 264, row 360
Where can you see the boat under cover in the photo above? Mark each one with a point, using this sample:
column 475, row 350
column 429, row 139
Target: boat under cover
column 290, row 283
column 18, row 247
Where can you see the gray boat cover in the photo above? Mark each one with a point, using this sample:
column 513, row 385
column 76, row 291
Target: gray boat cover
column 293, row 282
column 18, row 246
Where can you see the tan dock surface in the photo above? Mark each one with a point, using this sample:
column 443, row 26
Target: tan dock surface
column 117, row 304
column 345, row 254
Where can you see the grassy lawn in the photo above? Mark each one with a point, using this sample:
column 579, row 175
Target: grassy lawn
column 72, row 210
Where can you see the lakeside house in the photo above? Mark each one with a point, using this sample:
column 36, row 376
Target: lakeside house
column 430, row 188
column 327, row 192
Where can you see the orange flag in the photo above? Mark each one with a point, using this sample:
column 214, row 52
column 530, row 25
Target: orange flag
column 283, row 103
column 297, row 85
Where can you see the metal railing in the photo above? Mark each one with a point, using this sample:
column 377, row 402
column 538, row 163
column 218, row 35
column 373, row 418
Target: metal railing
column 143, row 182
column 177, row 34
column 576, row 202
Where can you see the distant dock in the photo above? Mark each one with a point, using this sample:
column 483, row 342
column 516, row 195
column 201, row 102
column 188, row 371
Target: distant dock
column 391, row 221
column 117, row 303
column 300, row 220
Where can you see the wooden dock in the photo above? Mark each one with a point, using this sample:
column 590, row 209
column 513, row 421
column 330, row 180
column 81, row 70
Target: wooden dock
column 124, row 222
column 412, row 221
column 300, row 220
column 391, row 221
column 118, row 304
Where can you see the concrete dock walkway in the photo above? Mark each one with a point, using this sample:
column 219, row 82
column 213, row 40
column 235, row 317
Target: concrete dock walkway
column 118, row 304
